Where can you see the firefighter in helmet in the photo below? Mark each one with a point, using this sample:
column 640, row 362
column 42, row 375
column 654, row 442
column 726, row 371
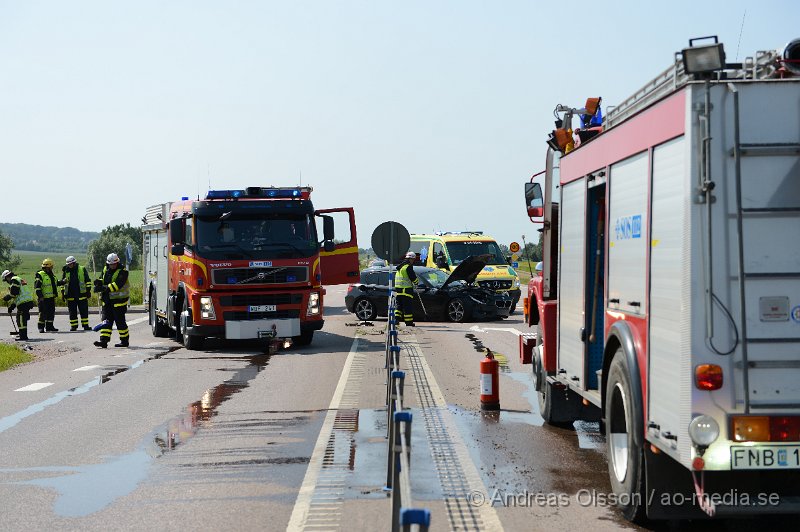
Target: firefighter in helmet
column 404, row 282
column 114, row 287
column 76, row 286
column 20, row 296
column 45, row 287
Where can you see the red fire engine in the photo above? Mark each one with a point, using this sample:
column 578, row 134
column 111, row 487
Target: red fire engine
column 242, row 264
column 669, row 302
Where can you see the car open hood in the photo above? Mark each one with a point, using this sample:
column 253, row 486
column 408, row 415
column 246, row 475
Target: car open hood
column 468, row 270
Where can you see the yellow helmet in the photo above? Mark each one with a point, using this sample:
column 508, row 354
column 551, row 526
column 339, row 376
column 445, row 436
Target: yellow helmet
column 47, row 263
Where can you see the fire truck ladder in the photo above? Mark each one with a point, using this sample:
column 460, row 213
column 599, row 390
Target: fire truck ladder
column 743, row 214
column 762, row 66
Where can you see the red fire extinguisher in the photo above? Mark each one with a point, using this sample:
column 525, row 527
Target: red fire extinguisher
column 490, row 387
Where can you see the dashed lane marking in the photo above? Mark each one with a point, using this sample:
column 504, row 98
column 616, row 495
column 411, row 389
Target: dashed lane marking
column 87, row 368
column 34, row 387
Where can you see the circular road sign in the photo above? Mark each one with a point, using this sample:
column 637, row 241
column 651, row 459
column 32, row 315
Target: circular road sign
column 514, row 247
column 391, row 241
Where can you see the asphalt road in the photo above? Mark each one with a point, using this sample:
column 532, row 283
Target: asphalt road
column 159, row 437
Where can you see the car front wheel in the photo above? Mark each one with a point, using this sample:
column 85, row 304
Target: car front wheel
column 365, row 310
column 456, row 311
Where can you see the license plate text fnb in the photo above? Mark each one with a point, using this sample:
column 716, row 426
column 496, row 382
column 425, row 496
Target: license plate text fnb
column 765, row 457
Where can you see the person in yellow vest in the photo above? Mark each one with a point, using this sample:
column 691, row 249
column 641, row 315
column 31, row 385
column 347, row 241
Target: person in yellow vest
column 115, row 290
column 21, row 297
column 404, row 281
column 76, row 286
column 45, row 287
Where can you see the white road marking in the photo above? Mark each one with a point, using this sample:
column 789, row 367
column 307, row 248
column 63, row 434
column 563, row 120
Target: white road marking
column 138, row 320
column 303, row 503
column 87, row 368
column 513, row 331
column 34, row 387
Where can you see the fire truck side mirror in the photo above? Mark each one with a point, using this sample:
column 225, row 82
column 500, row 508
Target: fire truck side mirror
column 177, row 249
column 328, row 246
column 327, row 228
column 177, row 231
column 534, row 200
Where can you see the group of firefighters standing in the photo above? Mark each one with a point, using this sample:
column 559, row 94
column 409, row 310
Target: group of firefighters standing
column 75, row 287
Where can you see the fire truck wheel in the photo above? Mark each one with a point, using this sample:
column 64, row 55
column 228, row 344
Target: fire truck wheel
column 156, row 325
column 625, row 456
column 305, row 338
column 189, row 341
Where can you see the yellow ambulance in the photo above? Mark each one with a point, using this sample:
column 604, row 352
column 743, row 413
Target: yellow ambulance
column 447, row 250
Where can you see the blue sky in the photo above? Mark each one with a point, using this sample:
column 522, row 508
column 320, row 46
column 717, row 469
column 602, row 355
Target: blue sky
column 431, row 114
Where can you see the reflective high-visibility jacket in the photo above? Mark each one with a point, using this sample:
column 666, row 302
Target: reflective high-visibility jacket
column 45, row 284
column 117, row 283
column 80, row 287
column 405, row 279
column 20, row 291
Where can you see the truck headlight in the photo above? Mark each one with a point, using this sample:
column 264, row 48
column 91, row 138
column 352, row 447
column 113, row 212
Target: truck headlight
column 703, row 430
column 313, row 304
column 207, row 308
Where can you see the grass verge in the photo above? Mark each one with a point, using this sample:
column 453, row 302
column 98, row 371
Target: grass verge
column 11, row 355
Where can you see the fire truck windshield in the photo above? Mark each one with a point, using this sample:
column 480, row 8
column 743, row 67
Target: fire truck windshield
column 264, row 236
column 459, row 251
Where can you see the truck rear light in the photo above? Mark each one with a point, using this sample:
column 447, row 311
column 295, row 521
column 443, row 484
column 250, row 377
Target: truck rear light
column 207, row 308
column 784, row 428
column 708, row 377
column 313, row 304
column 766, row 428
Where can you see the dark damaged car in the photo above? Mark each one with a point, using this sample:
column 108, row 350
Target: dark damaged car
column 454, row 297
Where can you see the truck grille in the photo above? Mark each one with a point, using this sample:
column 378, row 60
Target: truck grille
column 256, row 276
column 246, row 300
column 241, row 315
column 495, row 284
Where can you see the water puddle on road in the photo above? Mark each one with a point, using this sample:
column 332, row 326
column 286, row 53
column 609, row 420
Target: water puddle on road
column 11, row 420
column 88, row 489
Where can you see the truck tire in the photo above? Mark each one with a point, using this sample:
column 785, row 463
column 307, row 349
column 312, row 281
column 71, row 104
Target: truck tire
column 191, row 342
column 158, row 327
column 305, row 338
column 623, row 422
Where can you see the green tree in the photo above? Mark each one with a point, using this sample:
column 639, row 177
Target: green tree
column 7, row 260
column 114, row 239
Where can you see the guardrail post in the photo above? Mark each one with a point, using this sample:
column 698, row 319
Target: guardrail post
column 390, row 425
column 415, row 516
column 394, row 365
column 396, row 444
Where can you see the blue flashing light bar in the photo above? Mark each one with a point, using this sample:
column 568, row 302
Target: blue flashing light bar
column 261, row 192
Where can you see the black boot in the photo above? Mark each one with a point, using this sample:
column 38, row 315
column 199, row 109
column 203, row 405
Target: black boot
column 50, row 328
column 73, row 328
column 86, row 328
column 122, row 343
column 101, row 343
column 41, row 328
column 23, row 336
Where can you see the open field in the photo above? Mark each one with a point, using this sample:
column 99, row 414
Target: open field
column 32, row 263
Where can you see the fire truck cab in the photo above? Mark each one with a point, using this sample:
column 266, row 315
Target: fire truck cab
column 243, row 264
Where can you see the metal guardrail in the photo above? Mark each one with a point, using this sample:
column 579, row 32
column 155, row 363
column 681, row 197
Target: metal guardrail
column 398, row 427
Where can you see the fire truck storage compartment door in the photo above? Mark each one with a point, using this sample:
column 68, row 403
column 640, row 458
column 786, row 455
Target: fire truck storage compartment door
column 670, row 280
column 571, row 274
column 627, row 235
column 251, row 329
